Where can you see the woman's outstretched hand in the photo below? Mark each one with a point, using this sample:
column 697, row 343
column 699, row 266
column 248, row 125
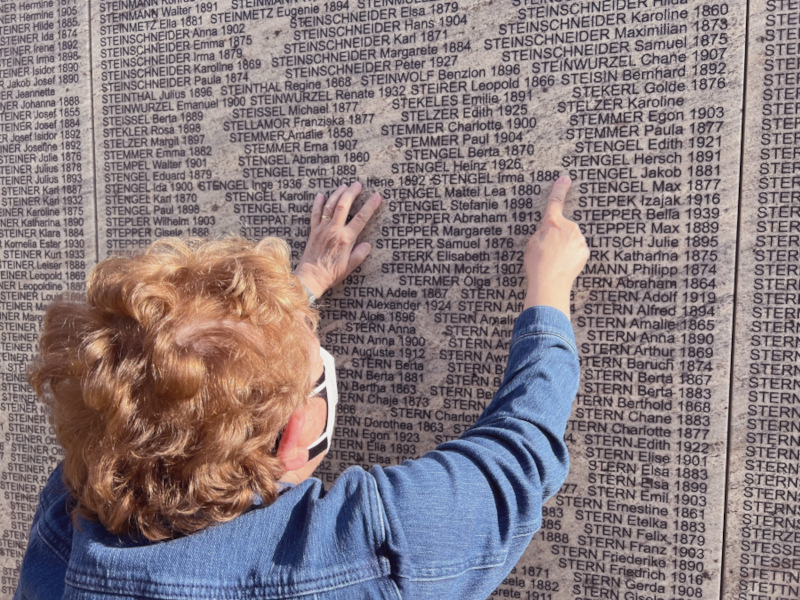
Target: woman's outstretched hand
column 555, row 255
column 331, row 252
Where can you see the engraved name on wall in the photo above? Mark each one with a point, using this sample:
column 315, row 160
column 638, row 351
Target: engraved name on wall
column 200, row 118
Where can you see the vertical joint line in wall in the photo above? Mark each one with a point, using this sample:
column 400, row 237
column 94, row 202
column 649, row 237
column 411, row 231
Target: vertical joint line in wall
column 94, row 148
column 736, row 263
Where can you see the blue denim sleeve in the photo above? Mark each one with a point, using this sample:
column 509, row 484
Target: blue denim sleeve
column 49, row 544
column 459, row 518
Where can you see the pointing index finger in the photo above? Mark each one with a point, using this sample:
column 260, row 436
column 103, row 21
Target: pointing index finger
column 555, row 203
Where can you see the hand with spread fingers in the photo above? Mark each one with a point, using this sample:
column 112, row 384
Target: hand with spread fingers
column 331, row 252
column 555, row 254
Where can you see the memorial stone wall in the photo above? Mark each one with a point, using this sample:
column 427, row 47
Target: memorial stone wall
column 124, row 121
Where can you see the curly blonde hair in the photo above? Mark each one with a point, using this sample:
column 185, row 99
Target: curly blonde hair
column 169, row 383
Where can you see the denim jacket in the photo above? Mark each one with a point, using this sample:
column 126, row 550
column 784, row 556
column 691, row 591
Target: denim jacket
column 450, row 524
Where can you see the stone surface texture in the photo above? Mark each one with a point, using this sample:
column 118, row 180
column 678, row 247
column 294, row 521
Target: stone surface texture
column 763, row 519
column 124, row 121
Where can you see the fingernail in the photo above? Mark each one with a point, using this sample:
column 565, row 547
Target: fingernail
column 563, row 179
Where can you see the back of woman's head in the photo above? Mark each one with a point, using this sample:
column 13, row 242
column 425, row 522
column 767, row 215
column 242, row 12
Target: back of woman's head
column 169, row 383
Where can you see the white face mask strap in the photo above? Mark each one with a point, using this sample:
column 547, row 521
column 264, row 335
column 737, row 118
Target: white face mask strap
column 323, row 442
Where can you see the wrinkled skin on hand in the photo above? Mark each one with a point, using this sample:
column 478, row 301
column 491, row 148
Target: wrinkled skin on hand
column 331, row 252
column 555, row 254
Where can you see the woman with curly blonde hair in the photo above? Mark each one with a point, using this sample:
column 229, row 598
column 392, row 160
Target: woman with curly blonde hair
column 193, row 401
column 161, row 404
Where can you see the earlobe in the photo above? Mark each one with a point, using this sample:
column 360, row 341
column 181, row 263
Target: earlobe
column 290, row 452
